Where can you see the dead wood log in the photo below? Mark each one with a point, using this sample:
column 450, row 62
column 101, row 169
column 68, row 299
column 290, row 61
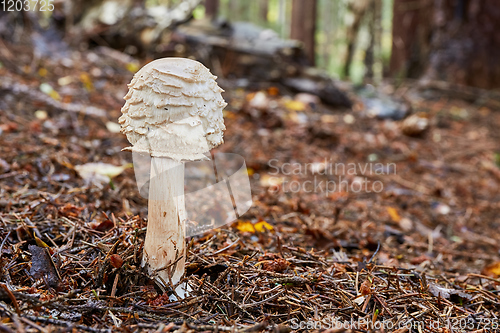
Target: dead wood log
column 124, row 23
column 244, row 51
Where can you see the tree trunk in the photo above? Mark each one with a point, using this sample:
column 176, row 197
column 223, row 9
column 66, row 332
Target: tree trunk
column 263, row 10
column 232, row 10
column 448, row 40
column 370, row 50
column 466, row 43
column 303, row 27
column 372, row 54
column 283, row 18
column 328, row 22
column 211, row 9
column 411, row 35
column 358, row 9
column 244, row 10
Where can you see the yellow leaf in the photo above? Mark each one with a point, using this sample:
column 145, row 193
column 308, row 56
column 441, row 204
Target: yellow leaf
column 228, row 114
column 393, row 214
column 245, row 226
column 263, row 226
column 132, row 67
column 40, row 242
column 87, row 81
column 55, row 95
column 295, row 105
column 42, row 72
column 47, row 89
column 492, row 270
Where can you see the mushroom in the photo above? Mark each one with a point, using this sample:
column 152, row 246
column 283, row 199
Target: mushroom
column 173, row 112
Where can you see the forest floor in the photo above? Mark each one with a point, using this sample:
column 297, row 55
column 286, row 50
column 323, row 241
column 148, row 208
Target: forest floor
column 420, row 255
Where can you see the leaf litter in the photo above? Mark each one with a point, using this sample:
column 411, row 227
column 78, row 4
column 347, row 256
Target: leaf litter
column 423, row 252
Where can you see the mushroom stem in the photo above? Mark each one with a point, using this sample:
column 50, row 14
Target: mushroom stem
column 164, row 248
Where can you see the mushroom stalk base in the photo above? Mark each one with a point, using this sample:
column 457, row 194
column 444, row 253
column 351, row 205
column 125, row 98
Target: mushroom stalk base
column 165, row 246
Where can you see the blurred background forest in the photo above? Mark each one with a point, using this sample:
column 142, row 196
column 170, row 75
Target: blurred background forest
column 344, row 37
column 362, row 41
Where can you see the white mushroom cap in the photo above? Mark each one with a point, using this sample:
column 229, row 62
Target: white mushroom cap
column 173, row 109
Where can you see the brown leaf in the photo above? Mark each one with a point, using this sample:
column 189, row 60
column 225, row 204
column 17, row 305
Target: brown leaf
column 102, row 226
column 365, row 288
column 420, row 259
column 116, row 261
column 70, row 210
column 277, row 265
column 42, row 265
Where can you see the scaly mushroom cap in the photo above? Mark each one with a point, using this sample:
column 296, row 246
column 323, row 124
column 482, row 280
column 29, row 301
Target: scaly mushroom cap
column 173, row 109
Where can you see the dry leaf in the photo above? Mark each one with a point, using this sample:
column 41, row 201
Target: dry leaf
column 102, row 226
column 113, row 127
column 40, row 242
column 443, row 292
column 116, row 261
column 245, row 226
column 393, row 213
column 365, row 288
column 415, row 124
column 295, row 105
column 87, row 81
column 99, row 173
column 420, row 259
column 492, row 270
column 42, row 265
column 263, row 226
column 271, row 181
column 277, row 265
column 47, row 89
column 258, row 101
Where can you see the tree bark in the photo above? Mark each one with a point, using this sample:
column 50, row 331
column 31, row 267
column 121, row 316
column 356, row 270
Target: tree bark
column 263, row 10
column 211, row 9
column 411, row 35
column 466, row 44
column 328, row 18
column 303, row 27
column 372, row 54
column 283, row 8
column 358, row 9
column 448, row 40
column 244, row 10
